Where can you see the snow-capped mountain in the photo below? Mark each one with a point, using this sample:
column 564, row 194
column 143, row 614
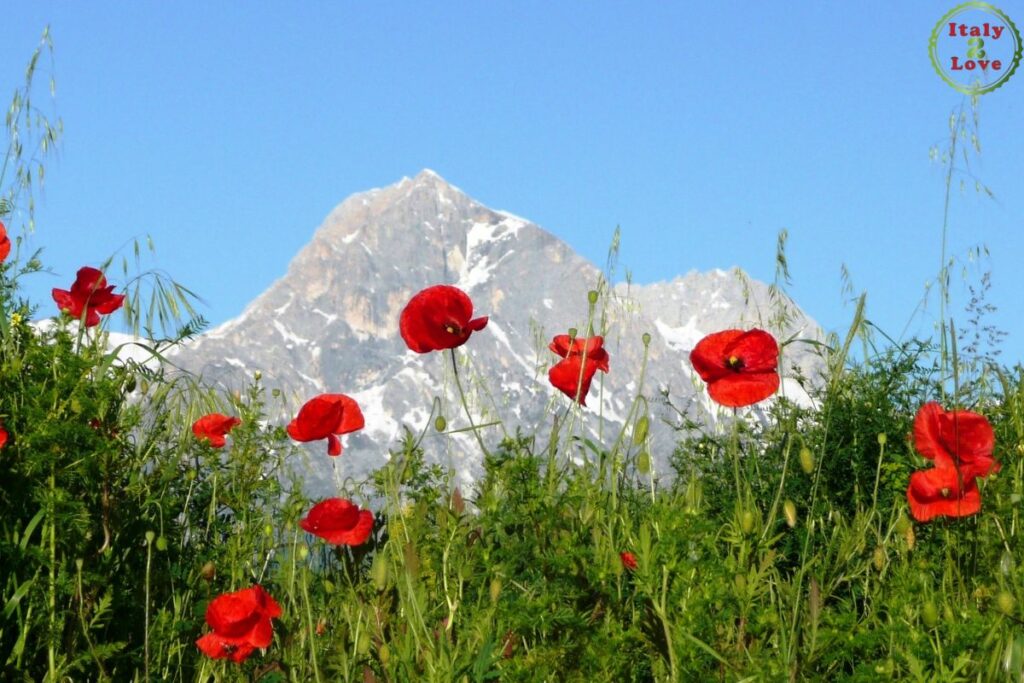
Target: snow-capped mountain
column 331, row 325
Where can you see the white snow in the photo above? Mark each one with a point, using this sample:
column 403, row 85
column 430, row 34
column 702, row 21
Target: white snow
column 477, row 270
column 548, row 303
column 681, row 338
column 312, row 381
column 379, row 422
column 348, row 239
column 281, row 309
column 330, row 317
column 499, row 334
column 288, row 335
column 515, row 222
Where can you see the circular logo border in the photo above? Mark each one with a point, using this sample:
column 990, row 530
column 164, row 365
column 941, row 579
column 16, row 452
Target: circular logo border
column 933, row 48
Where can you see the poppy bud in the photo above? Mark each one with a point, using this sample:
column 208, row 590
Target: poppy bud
column 806, row 460
column 902, row 524
column 328, row 586
column 362, row 644
column 384, row 653
column 303, row 552
column 130, row 385
column 208, row 572
column 640, row 430
column 747, row 521
column 646, row 338
column 275, row 393
column 592, row 296
column 257, row 375
column 1006, row 563
column 379, row 571
column 268, row 530
column 643, row 462
column 144, row 387
column 910, row 537
column 495, row 589
column 573, row 332
column 440, row 423
column 882, row 438
column 930, row 614
column 150, row 535
column 879, row 558
column 789, row 509
column 1007, row 603
column 161, row 543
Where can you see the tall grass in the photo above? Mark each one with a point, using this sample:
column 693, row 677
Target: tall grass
column 778, row 550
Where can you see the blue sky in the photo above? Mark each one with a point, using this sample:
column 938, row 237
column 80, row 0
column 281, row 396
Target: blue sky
column 228, row 131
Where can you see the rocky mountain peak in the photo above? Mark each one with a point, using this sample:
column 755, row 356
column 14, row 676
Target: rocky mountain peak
column 331, row 323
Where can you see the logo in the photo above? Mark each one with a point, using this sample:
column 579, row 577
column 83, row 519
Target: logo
column 975, row 48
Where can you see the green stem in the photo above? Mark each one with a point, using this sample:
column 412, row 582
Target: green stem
column 310, row 625
column 465, row 405
column 145, row 637
column 51, row 652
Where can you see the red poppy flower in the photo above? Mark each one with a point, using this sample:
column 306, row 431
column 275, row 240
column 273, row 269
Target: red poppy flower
column 583, row 358
column 327, row 416
column 438, row 318
column 240, row 623
column 214, row 427
column 89, row 294
column 942, row 491
column 740, row 368
column 5, row 243
column 628, row 560
column 3, row 436
column 338, row 521
column 957, row 439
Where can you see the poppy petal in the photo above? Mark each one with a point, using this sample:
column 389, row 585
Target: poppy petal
column 560, row 345
column 941, row 492
column 5, row 243
column 570, row 376
column 707, row 356
column 338, row 521
column 967, row 435
column 743, row 389
column 438, row 318
column 757, row 349
column 316, row 419
column 927, row 439
column 351, row 417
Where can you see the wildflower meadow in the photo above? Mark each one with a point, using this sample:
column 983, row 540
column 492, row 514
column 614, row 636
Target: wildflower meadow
column 152, row 527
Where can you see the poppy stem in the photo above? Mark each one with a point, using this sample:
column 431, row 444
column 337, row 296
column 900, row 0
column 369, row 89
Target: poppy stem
column 309, row 622
column 465, row 404
column 734, row 446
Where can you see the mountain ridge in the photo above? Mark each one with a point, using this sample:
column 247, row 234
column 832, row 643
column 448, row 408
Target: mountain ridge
column 330, row 324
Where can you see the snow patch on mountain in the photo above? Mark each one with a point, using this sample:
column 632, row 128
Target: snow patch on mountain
column 682, row 338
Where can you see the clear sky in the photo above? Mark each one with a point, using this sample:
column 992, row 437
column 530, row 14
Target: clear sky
column 227, row 132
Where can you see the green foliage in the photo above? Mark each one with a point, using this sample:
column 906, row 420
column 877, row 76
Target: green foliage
column 782, row 550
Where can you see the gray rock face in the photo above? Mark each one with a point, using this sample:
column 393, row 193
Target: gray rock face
column 331, row 325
